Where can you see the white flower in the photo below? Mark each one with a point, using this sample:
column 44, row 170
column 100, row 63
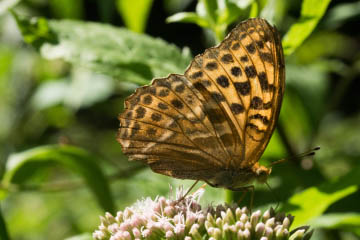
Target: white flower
column 183, row 218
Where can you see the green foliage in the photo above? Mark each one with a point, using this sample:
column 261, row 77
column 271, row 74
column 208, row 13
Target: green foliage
column 134, row 13
column 36, row 31
column 346, row 221
column 212, row 14
column 21, row 166
column 122, row 54
column 311, row 12
column 312, row 202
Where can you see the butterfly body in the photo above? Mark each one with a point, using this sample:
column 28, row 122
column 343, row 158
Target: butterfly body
column 237, row 179
column 214, row 122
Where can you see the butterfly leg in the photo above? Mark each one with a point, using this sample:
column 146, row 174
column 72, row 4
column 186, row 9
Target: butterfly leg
column 188, row 191
column 246, row 189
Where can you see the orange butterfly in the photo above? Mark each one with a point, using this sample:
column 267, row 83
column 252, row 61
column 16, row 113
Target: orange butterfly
column 212, row 123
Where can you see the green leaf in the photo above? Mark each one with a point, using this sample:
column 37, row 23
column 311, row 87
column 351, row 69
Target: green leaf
column 116, row 52
column 35, row 31
column 207, row 9
column 311, row 12
column 257, row 6
column 229, row 13
column 83, row 90
column 312, row 202
column 3, row 229
column 189, row 17
column 21, row 166
column 345, row 221
column 135, row 13
column 341, row 13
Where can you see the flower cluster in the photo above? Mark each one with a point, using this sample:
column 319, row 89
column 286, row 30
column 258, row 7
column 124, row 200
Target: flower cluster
column 184, row 219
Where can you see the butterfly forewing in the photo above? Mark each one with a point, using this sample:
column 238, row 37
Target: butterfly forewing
column 219, row 115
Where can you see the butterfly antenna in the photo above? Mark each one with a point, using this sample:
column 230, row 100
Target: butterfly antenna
column 310, row 152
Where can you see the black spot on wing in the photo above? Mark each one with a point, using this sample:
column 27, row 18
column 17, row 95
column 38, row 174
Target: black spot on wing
column 180, row 88
column 177, row 103
column 156, row 117
column 263, row 81
column 266, row 57
column 223, row 81
column 260, row 44
column 244, row 58
column 162, row 106
column 257, row 103
column 243, row 87
column 237, row 108
column 164, row 92
column 251, row 48
column 196, row 75
column 147, row 99
column 227, row 58
column 264, row 119
column 235, row 47
column 236, row 71
column 140, row 112
column 211, row 66
column 250, row 71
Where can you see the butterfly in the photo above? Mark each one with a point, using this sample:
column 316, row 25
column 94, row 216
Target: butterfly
column 214, row 122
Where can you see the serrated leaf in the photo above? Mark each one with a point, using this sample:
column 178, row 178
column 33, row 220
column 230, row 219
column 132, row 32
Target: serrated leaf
column 134, row 13
column 189, row 17
column 116, row 52
column 312, row 202
column 311, row 12
column 21, row 166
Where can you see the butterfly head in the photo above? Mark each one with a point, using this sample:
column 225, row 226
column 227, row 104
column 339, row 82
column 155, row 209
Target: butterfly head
column 261, row 172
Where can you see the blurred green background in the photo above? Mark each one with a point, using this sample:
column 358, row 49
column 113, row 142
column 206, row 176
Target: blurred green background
column 64, row 77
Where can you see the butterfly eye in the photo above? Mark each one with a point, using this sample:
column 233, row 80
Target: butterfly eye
column 262, row 173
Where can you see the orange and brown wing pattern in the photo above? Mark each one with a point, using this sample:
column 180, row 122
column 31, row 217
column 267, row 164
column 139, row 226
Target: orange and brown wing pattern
column 167, row 126
column 245, row 74
column 219, row 115
column 267, row 80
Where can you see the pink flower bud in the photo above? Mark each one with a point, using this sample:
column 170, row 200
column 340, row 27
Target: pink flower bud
column 169, row 234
